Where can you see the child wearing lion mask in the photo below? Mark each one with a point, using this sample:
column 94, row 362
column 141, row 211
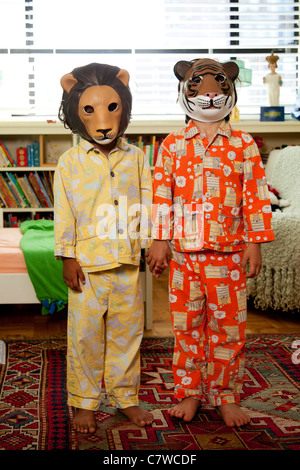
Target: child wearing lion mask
column 103, row 195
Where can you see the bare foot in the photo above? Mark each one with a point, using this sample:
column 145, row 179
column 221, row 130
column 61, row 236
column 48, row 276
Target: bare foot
column 233, row 415
column 84, row 421
column 186, row 409
column 137, row 415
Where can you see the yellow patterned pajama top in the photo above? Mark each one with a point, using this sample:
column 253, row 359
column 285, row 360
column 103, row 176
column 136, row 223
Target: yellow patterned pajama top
column 102, row 205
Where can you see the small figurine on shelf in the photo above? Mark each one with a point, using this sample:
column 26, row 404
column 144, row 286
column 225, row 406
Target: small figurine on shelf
column 273, row 112
column 273, row 80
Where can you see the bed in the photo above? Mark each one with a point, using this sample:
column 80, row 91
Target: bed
column 15, row 284
column 29, row 272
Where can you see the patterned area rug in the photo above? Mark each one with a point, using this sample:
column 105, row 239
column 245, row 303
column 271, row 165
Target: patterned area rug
column 33, row 411
column 34, row 414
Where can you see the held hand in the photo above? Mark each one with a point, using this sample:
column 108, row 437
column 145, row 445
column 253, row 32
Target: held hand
column 158, row 270
column 158, row 257
column 252, row 255
column 73, row 274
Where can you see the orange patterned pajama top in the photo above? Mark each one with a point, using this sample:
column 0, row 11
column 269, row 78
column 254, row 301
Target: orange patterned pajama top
column 218, row 191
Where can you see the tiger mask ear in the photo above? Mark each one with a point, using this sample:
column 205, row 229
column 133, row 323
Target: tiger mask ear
column 232, row 70
column 181, row 68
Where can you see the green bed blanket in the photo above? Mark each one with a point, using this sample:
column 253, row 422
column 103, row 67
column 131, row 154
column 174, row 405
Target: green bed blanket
column 45, row 272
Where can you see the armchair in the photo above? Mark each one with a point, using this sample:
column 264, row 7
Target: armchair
column 278, row 284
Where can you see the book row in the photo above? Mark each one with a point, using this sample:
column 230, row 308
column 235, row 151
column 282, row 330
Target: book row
column 26, row 156
column 13, row 220
column 150, row 149
column 28, row 190
column 30, row 156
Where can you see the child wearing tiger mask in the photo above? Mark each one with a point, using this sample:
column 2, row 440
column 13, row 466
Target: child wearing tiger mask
column 211, row 212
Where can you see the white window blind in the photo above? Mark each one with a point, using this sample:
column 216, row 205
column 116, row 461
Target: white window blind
column 40, row 41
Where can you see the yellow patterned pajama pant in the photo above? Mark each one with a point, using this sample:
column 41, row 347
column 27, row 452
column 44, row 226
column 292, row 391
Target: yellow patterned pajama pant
column 105, row 329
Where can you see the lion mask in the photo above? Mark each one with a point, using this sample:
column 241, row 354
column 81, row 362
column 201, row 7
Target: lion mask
column 96, row 102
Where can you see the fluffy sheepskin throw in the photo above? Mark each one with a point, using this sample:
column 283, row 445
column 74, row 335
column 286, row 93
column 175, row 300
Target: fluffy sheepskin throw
column 278, row 284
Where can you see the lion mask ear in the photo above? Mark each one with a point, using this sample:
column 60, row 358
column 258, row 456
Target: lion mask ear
column 123, row 76
column 67, row 82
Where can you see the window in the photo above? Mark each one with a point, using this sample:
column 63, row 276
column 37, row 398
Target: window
column 41, row 41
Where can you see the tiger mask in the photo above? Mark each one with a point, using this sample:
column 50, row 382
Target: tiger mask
column 206, row 90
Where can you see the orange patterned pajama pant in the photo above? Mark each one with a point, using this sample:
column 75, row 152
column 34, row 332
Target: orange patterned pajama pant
column 207, row 295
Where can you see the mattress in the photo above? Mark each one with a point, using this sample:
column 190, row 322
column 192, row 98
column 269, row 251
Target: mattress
column 11, row 256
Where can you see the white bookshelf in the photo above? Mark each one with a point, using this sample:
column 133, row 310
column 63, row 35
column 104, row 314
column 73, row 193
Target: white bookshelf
column 54, row 139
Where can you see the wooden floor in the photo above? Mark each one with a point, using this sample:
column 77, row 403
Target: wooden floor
column 26, row 321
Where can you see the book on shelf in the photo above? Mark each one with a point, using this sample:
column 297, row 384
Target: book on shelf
column 6, row 193
column 25, row 157
column 5, row 157
column 26, row 191
column 22, row 157
column 13, row 220
column 2, row 201
column 41, row 190
column 33, row 154
column 17, row 198
column 149, row 147
column 19, row 192
column 38, row 189
column 47, row 181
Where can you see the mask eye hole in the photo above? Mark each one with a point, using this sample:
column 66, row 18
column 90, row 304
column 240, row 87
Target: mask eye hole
column 220, row 78
column 112, row 107
column 88, row 109
column 196, row 79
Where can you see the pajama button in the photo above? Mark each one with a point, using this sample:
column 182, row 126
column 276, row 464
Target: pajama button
column 112, row 174
column 116, row 202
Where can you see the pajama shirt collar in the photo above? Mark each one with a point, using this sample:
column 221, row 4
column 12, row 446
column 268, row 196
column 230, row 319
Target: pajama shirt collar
column 191, row 130
column 88, row 146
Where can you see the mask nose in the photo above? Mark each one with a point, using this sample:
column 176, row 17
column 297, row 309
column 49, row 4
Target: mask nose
column 103, row 131
column 212, row 95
